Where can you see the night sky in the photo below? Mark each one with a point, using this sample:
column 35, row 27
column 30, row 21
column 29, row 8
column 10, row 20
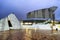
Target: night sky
column 22, row 7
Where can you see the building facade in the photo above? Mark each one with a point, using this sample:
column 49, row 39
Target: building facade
column 42, row 13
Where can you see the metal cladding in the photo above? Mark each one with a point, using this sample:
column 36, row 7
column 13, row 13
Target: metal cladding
column 42, row 13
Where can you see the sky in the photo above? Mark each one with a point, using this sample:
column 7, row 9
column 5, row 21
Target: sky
column 22, row 7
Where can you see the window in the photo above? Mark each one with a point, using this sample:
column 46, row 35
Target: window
column 27, row 22
column 43, row 12
column 9, row 23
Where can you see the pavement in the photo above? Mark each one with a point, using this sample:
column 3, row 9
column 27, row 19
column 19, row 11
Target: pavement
column 29, row 35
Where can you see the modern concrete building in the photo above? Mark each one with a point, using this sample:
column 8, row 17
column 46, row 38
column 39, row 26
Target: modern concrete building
column 9, row 22
column 42, row 13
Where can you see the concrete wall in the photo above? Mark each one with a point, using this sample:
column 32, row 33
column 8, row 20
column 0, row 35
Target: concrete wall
column 14, row 21
column 4, row 24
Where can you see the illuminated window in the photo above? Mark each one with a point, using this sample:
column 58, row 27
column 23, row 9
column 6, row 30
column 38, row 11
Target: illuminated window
column 27, row 23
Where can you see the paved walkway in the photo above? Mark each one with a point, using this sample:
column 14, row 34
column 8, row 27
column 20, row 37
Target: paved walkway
column 29, row 35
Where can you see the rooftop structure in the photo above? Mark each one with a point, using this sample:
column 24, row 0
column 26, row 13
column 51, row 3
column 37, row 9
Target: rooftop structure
column 42, row 13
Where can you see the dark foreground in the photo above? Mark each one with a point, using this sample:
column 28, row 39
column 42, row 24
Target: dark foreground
column 29, row 35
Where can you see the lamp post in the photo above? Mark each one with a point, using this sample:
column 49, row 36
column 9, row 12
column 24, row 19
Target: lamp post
column 53, row 23
column 53, row 19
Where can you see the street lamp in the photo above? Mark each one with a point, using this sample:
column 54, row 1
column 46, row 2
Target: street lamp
column 53, row 22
